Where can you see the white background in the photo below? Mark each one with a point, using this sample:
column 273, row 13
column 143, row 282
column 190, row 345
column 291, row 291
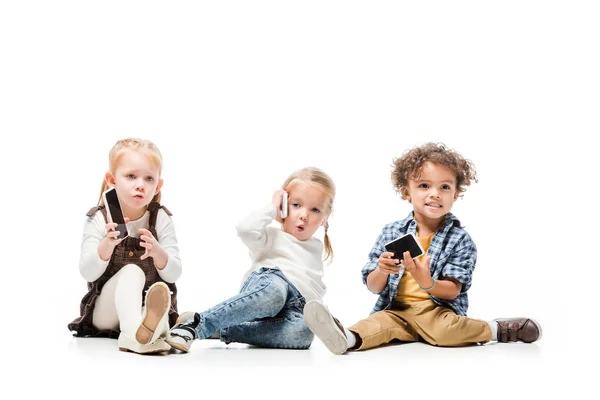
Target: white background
column 237, row 95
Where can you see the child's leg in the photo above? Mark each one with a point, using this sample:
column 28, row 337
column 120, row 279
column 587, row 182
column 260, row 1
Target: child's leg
column 285, row 331
column 379, row 328
column 440, row 326
column 264, row 295
column 120, row 302
column 382, row 327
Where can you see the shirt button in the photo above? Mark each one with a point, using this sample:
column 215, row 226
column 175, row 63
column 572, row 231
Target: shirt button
column 131, row 254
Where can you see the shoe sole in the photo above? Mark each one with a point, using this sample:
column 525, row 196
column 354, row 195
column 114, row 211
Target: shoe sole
column 178, row 346
column 157, row 304
column 321, row 323
column 158, row 346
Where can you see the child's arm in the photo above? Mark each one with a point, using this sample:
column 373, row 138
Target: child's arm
column 443, row 288
column 169, row 269
column 91, row 266
column 460, row 264
column 381, row 264
column 252, row 229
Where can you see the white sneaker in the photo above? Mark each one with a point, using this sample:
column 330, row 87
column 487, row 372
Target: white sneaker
column 155, row 317
column 183, row 334
column 325, row 326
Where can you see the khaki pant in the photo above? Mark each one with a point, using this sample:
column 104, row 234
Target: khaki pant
column 425, row 320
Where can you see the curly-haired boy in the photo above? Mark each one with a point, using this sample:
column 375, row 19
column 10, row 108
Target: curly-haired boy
column 422, row 299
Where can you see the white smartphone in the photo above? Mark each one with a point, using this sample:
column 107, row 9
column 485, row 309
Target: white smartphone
column 114, row 212
column 284, row 205
column 404, row 243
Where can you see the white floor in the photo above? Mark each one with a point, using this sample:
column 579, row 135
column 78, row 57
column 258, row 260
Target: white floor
column 237, row 95
column 94, row 368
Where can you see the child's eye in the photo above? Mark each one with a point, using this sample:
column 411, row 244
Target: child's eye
column 316, row 210
column 446, row 187
column 131, row 176
column 423, row 185
column 149, row 179
column 295, row 205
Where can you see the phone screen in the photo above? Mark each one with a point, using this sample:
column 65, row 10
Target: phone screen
column 405, row 243
column 115, row 213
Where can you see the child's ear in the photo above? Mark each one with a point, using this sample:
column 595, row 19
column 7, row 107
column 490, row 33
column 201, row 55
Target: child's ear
column 158, row 187
column 324, row 222
column 110, row 179
column 405, row 195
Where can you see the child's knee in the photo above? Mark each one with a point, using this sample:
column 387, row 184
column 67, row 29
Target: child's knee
column 132, row 271
column 273, row 293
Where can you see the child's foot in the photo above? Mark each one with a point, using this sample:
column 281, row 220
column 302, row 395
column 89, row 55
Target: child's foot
column 518, row 330
column 183, row 334
column 156, row 314
column 325, row 326
column 130, row 344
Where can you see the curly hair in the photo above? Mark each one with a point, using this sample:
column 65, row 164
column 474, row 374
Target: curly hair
column 410, row 165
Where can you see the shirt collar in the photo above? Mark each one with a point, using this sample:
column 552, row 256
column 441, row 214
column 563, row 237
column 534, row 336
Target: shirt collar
column 449, row 220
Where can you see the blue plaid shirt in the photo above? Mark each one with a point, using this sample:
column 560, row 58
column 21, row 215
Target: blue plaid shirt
column 453, row 255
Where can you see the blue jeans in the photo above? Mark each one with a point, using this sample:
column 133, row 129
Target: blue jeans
column 266, row 313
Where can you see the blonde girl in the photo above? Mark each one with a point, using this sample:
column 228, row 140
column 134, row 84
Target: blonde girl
column 119, row 270
column 286, row 272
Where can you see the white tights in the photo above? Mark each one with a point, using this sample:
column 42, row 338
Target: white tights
column 120, row 302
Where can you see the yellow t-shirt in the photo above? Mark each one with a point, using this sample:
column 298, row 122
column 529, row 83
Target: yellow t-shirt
column 408, row 289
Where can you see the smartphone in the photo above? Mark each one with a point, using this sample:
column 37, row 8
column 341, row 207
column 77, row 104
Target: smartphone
column 404, row 243
column 284, row 205
column 114, row 212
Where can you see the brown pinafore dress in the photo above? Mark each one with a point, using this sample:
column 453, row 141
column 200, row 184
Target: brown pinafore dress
column 128, row 251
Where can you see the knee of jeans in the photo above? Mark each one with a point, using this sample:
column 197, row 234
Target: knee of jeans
column 133, row 271
column 273, row 294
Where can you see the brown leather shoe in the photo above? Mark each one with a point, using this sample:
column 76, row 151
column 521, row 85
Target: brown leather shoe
column 518, row 329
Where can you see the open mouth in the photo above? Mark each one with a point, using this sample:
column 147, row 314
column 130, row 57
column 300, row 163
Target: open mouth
column 138, row 196
column 300, row 228
column 434, row 205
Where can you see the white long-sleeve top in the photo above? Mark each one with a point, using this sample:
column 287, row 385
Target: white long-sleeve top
column 91, row 266
column 300, row 261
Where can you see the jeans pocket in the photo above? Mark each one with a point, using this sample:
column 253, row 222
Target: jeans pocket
column 248, row 280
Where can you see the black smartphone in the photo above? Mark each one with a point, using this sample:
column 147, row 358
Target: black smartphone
column 404, row 243
column 114, row 212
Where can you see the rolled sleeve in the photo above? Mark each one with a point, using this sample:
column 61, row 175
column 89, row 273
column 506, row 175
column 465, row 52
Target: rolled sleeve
column 461, row 263
column 377, row 250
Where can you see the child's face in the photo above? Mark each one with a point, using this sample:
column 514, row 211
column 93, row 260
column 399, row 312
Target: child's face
column 306, row 211
column 434, row 193
column 136, row 179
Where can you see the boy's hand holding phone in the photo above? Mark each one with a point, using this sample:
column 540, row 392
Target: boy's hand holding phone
column 406, row 246
column 388, row 264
